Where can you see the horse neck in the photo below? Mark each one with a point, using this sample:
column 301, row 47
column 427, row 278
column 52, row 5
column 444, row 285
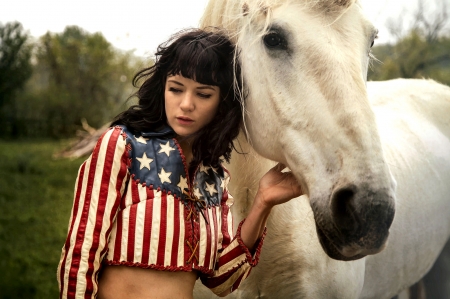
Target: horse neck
column 246, row 170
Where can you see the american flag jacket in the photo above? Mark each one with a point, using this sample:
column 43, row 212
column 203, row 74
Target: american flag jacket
column 135, row 205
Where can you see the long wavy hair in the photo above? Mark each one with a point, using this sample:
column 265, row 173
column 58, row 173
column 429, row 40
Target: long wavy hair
column 209, row 58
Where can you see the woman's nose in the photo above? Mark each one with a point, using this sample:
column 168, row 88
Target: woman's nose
column 187, row 102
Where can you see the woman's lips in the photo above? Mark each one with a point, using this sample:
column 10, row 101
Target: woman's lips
column 184, row 120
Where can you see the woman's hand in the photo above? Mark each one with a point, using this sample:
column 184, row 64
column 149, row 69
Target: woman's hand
column 277, row 187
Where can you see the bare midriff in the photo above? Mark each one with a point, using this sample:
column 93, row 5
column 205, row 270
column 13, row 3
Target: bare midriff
column 123, row 282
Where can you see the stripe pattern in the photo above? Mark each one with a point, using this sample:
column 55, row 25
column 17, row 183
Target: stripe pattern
column 118, row 220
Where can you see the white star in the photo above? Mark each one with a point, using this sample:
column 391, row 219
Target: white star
column 214, row 169
column 197, row 193
column 222, row 184
column 211, row 188
column 145, row 162
column 164, row 176
column 204, row 168
column 166, row 148
column 183, row 183
column 141, row 139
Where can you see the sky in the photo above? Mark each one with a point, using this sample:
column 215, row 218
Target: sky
column 141, row 25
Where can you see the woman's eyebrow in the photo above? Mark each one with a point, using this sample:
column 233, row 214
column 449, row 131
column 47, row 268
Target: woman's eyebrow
column 176, row 82
column 206, row 87
column 200, row 87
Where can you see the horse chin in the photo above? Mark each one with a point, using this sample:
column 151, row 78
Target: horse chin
column 332, row 251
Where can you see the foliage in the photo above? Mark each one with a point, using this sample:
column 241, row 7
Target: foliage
column 15, row 53
column 77, row 75
column 422, row 51
column 15, row 65
column 413, row 57
column 36, row 194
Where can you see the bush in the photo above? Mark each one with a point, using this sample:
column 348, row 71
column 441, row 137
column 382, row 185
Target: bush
column 36, row 194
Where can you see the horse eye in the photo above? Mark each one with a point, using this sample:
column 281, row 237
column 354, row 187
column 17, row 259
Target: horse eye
column 273, row 40
column 374, row 38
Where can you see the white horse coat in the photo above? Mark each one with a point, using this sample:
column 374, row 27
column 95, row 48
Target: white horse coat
column 396, row 129
column 414, row 122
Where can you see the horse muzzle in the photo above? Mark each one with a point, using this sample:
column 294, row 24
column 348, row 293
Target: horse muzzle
column 355, row 222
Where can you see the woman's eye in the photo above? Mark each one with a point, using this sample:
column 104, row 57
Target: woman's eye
column 174, row 90
column 204, row 95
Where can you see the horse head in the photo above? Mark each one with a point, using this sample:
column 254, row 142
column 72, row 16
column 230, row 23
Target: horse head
column 304, row 67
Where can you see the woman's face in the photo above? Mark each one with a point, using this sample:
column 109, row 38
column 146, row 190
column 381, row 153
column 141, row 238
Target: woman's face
column 189, row 105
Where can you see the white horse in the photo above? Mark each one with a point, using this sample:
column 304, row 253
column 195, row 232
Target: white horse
column 304, row 66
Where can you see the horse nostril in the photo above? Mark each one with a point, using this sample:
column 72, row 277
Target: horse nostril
column 342, row 208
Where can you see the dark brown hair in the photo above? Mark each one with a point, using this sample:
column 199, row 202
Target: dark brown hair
column 208, row 58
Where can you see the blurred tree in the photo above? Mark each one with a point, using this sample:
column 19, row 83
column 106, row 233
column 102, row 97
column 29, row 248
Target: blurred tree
column 77, row 75
column 421, row 51
column 80, row 76
column 15, row 65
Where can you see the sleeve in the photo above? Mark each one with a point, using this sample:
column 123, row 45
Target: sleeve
column 98, row 191
column 234, row 260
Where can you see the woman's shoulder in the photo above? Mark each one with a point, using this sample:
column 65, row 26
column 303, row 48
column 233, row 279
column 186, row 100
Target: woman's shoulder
column 111, row 138
column 160, row 131
column 135, row 137
column 150, row 145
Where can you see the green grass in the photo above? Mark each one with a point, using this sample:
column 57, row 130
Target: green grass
column 36, row 194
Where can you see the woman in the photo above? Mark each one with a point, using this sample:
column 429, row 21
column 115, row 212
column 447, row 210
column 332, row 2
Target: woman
column 151, row 211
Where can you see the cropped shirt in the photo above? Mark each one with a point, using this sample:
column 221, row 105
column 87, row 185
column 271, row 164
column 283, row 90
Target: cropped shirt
column 135, row 205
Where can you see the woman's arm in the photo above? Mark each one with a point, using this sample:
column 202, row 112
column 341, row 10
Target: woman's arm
column 240, row 254
column 275, row 187
column 98, row 191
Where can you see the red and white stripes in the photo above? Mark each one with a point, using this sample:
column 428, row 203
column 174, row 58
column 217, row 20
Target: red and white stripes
column 98, row 190
column 153, row 230
column 119, row 221
column 149, row 232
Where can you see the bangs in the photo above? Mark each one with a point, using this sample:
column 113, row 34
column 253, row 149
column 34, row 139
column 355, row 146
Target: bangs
column 200, row 61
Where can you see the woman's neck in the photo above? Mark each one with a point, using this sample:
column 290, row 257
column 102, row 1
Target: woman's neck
column 186, row 147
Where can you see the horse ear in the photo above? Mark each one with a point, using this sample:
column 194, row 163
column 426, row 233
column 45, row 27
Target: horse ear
column 343, row 3
column 245, row 9
column 335, row 5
